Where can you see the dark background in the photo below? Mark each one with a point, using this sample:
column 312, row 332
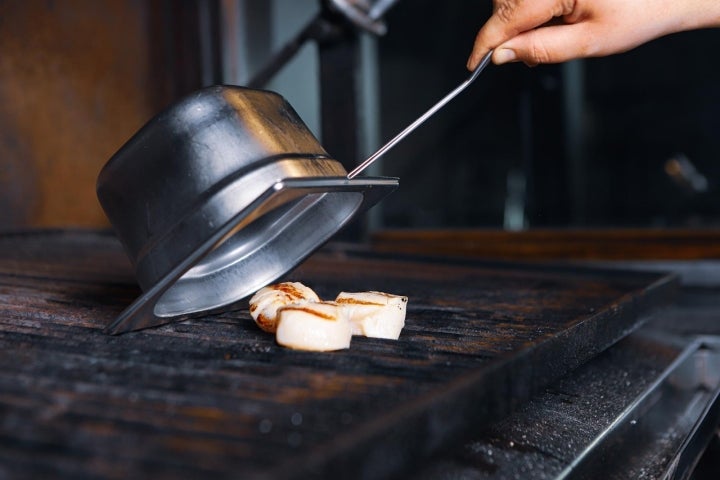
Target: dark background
column 599, row 163
column 581, row 144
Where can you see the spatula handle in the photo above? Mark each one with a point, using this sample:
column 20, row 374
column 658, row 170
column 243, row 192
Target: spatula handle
column 481, row 66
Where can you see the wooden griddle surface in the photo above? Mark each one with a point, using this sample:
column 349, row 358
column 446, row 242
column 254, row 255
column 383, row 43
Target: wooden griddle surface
column 214, row 395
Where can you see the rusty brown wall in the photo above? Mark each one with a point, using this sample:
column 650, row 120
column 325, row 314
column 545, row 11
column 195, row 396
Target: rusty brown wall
column 77, row 79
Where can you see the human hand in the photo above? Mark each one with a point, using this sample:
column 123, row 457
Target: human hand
column 553, row 31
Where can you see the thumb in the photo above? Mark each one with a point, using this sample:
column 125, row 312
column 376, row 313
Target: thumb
column 552, row 44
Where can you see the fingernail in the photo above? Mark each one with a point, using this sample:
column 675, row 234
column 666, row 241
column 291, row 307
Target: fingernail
column 504, row 55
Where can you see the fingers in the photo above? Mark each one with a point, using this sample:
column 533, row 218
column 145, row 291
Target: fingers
column 560, row 43
column 553, row 31
column 553, row 44
column 513, row 17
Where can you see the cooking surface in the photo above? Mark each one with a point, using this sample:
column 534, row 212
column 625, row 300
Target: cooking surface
column 591, row 424
column 215, row 395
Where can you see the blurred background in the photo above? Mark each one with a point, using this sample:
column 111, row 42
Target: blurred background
column 626, row 141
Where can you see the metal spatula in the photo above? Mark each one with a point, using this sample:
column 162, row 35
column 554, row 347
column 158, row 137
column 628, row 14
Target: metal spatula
column 481, row 66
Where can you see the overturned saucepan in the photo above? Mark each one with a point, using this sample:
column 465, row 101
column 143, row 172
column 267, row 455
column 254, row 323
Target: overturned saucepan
column 219, row 195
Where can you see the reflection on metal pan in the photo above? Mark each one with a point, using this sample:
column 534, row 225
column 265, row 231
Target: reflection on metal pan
column 235, row 260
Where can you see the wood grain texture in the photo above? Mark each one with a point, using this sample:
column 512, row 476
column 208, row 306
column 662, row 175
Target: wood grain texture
column 213, row 395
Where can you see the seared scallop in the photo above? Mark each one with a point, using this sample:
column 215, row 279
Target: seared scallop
column 374, row 314
column 266, row 302
column 319, row 326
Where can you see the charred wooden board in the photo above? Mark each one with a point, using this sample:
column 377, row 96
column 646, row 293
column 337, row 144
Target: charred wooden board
column 214, row 395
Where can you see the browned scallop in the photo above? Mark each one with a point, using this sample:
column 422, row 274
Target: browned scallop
column 319, row 326
column 266, row 302
column 374, row 314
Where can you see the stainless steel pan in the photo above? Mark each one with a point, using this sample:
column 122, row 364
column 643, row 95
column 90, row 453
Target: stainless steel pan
column 220, row 195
